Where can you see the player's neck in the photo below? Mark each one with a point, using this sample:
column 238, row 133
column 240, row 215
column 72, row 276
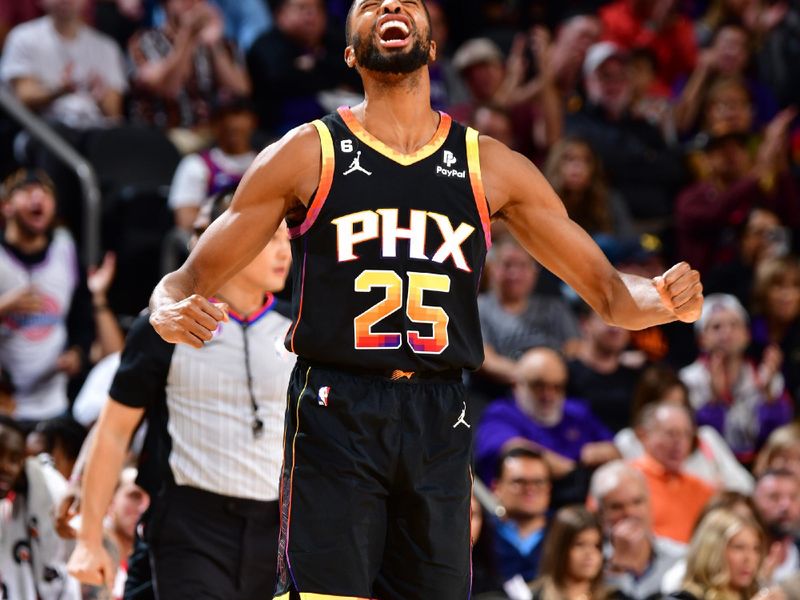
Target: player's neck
column 398, row 111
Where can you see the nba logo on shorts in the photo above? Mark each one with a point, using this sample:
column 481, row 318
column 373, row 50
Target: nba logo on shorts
column 322, row 395
column 449, row 159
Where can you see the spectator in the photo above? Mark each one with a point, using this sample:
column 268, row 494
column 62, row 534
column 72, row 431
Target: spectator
column 211, row 459
column 711, row 459
column 667, row 439
column 181, row 68
column 202, row 175
column 724, row 558
column 572, row 559
column 540, row 416
column 487, row 583
column 779, row 56
column 777, row 501
column 494, row 121
column 127, row 506
column 635, row 156
column 728, row 107
column 603, row 373
column 46, row 325
column 533, row 103
column 708, row 211
column 740, row 504
column 573, row 37
column 575, row 172
column 513, row 317
column 636, row 558
column 781, row 451
column 657, row 26
column 32, row 556
column 757, row 18
column 741, row 400
column 245, row 20
column 522, row 487
column 447, row 89
column 294, row 63
column 64, row 69
column 760, row 236
column 776, row 321
column 727, row 56
column 62, row 439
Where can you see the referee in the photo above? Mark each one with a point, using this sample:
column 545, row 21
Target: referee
column 212, row 456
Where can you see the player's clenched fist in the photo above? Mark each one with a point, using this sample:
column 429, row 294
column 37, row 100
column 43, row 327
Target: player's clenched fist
column 681, row 292
column 191, row 321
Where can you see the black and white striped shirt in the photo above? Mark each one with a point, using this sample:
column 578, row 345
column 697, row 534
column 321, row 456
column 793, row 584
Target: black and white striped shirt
column 199, row 405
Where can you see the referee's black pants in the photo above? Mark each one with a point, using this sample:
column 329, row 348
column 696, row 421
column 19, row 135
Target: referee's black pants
column 204, row 546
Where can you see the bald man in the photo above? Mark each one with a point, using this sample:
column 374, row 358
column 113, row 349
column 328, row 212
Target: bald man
column 540, row 416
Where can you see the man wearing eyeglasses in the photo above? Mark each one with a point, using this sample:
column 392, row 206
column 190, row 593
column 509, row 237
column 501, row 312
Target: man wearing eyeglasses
column 522, row 487
column 540, row 416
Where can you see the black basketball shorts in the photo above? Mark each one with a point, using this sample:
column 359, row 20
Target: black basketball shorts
column 375, row 488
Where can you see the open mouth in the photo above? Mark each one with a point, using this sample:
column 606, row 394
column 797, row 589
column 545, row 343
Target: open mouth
column 394, row 33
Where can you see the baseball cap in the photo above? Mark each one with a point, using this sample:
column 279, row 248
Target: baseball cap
column 599, row 53
column 476, row 51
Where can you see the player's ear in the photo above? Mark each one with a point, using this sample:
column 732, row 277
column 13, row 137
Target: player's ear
column 350, row 56
column 432, row 52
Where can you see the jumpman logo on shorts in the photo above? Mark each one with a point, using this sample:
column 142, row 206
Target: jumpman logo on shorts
column 356, row 166
column 461, row 418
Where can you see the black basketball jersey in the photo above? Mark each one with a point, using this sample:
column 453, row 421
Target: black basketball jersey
column 388, row 259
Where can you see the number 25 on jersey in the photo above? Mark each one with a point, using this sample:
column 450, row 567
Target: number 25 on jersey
column 417, row 312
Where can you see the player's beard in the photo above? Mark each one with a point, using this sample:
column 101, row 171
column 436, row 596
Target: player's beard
column 369, row 56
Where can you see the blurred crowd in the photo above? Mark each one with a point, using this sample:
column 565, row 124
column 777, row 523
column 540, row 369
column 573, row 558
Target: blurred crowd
column 613, row 463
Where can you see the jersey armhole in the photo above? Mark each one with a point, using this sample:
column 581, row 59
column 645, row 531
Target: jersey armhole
column 325, row 180
column 474, row 164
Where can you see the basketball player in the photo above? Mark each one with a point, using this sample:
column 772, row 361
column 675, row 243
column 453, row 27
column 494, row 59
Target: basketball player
column 389, row 205
column 212, row 456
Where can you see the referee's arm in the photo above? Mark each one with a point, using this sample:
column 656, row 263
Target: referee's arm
column 90, row 563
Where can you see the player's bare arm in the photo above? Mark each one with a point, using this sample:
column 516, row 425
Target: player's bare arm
column 280, row 181
column 519, row 194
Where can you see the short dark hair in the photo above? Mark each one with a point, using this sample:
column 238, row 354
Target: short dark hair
column 519, row 452
column 65, row 431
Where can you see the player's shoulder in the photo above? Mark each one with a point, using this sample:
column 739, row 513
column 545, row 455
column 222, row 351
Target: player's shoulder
column 303, row 138
column 492, row 150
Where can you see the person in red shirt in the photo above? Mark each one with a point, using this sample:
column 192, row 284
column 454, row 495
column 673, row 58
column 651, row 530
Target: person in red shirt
column 657, row 26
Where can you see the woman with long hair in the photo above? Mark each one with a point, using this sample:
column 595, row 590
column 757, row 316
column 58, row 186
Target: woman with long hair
column 775, row 327
column 575, row 172
column 572, row 559
column 724, row 558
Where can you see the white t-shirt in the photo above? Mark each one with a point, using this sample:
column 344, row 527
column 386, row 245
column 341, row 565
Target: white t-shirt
column 36, row 49
column 190, row 182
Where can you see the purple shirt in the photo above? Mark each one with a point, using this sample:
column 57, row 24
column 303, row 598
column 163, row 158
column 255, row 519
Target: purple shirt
column 504, row 420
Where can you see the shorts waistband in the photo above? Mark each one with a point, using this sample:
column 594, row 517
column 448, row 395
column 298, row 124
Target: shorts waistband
column 246, row 507
column 448, row 376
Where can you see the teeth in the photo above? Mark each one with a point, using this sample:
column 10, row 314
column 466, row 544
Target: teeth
column 399, row 24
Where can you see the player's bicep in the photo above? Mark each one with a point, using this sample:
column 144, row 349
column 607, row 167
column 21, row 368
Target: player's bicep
column 267, row 191
column 538, row 220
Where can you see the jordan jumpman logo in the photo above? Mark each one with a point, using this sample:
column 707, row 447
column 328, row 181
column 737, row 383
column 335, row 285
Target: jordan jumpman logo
column 356, row 165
